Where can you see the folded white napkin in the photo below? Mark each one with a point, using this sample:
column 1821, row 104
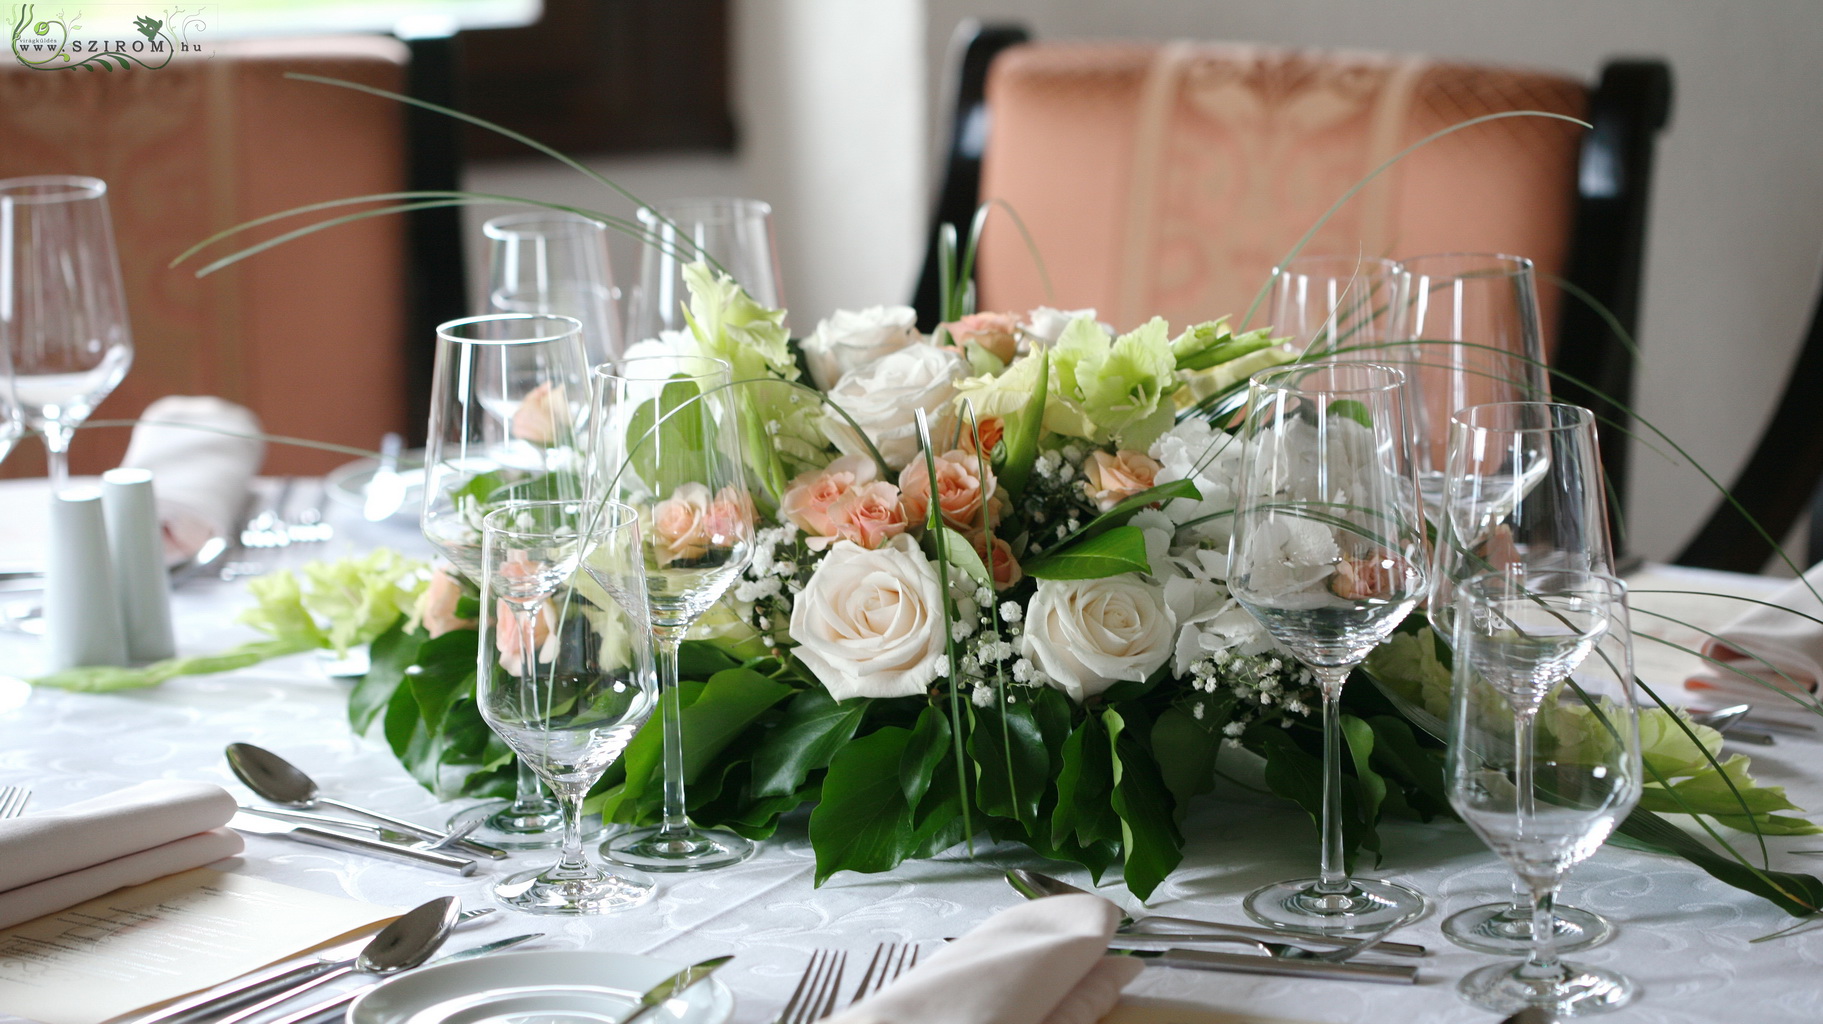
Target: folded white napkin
column 61, row 858
column 1789, row 643
column 200, row 473
column 1042, row 962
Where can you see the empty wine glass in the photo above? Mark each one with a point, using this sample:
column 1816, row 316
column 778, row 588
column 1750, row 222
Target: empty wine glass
column 1467, row 330
column 1328, row 554
column 734, row 235
column 1540, row 768
column 555, row 262
column 63, row 311
column 509, row 394
column 1336, row 307
column 12, row 424
column 564, row 673
column 1522, row 490
column 667, row 443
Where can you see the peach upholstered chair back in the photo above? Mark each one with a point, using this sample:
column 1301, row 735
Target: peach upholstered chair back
column 307, row 334
column 1168, row 179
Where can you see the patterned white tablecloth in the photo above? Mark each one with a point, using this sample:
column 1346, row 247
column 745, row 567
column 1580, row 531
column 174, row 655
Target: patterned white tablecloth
column 1683, row 936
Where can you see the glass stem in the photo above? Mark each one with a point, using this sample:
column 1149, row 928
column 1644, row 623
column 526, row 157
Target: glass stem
column 528, row 801
column 664, row 649
column 1332, row 877
column 572, row 864
column 528, row 798
column 57, row 453
column 1543, row 963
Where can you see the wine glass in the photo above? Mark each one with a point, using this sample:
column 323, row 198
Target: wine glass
column 563, row 673
column 509, row 394
column 1468, row 334
column 667, row 443
column 63, row 312
column 1328, row 554
column 1540, row 768
column 12, row 424
column 734, row 235
column 555, row 262
column 1336, row 307
column 1522, row 491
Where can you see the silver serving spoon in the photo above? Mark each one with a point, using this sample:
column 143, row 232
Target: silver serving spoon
column 278, row 780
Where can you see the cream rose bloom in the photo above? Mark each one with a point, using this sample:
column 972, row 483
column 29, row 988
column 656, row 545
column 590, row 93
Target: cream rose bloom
column 850, row 340
column 870, row 623
column 884, row 397
column 1085, row 635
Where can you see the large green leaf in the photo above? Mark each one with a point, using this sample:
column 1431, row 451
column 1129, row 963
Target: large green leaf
column 446, row 671
column 1023, row 432
column 924, row 753
column 814, row 727
column 1185, row 752
column 1796, row 894
column 1120, row 549
column 1370, row 788
column 1085, row 783
column 1012, row 765
column 391, row 653
column 862, row 822
column 1149, row 835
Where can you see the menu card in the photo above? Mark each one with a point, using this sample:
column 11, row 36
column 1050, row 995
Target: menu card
column 148, row 944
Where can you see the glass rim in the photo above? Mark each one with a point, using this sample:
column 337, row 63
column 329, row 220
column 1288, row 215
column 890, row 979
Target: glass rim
column 1271, row 377
column 507, row 226
column 1470, row 588
column 567, row 326
column 1467, row 265
column 1366, row 264
column 43, row 189
column 726, row 209
column 1573, row 417
column 610, row 370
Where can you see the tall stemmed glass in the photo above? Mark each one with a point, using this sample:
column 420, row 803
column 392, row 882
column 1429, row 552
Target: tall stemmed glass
column 564, row 673
column 63, row 311
column 555, row 262
column 1522, row 493
column 1468, row 334
column 733, row 234
column 1540, row 768
column 667, row 443
column 12, row 424
column 1328, row 554
column 509, row 403
column 1336, row 307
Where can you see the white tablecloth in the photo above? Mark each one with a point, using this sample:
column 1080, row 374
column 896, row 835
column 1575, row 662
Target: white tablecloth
column 1683, row 936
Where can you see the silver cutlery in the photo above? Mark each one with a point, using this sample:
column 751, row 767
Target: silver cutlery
column 661, row 993
column 328, row 1008
column 890, row 960
column 380, row 832
column 1035, row 885
column 1724, row 721
column 1283, row 950
column 351, row 844
column 267, row 528
column 385, row 490
column 275, row 779
column 13, row 800
column 815, row 996
column 307, row 526
column 1247, row 963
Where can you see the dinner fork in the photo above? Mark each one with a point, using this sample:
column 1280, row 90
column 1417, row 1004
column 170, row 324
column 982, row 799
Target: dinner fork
column 815, row 996
column 890, row 960
column 12, row 800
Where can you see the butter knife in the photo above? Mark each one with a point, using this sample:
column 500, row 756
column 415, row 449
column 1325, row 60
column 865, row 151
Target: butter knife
column 662, row 992
column 244, row 822
column 334, row 1003
column 1246, row 963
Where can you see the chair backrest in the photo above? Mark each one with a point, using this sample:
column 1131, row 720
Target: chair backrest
column 308, row 334
column 1168, row 179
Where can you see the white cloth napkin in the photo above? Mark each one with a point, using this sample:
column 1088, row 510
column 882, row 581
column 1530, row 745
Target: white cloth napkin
column 1790, row 643
column 61, row 858
column 1042, row 962
column 201, row 476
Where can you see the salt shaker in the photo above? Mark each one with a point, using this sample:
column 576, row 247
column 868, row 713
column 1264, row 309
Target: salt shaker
column 82, row 621
column 138, row 554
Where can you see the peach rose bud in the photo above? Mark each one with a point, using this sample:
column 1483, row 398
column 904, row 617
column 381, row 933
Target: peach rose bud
column 992, row 429
column 1002, row 565
column 869, row 515
column 997, row 333
column 680, row 532
column 961, row 491
column 730, row 518
column 807, row 499
column 1113, row 478
column 507, row 640
column 436, row 609
column 543, row 415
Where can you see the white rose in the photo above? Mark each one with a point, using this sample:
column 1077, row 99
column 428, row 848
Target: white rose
column 870, row 623
column 1047, row 324
column 848, row 340
column 884, row 397
column 1087, row 634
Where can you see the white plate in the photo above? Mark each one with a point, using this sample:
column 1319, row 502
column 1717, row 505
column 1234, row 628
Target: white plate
column 347, row 484
column 546, row 987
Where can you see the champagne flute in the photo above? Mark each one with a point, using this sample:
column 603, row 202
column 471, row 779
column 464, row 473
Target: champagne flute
column 668, row 443
column 555, row 262
column 563, row 673
column 1467, row 327
column 1522, row 492
column 63, row 311
column 1540, row 768
column 509, row 393
column 733, row 234
column 1328, row 554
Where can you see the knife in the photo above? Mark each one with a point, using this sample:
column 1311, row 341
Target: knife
column 1245, row 963
column 662, row 992
column 386, row 488
column 243, row 822
column 333, row 823
column 337, row 1002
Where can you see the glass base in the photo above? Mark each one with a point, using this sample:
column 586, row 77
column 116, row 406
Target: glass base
column 1504, row 928
column 1367, row 905
column 1576, row 991
column 533, row 893
column 511, row 831
column 686, row 849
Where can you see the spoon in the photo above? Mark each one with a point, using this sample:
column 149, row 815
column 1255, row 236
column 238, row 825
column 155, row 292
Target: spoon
column 400, row 946
column 1724, row 720
column 278, row 780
